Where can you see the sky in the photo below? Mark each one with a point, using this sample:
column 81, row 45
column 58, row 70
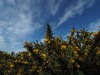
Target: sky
column 22, row 20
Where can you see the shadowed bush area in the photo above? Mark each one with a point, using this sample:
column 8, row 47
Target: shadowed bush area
column 79, row 55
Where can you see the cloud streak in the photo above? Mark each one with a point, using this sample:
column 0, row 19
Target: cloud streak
column 95, row 26
column 77, row 8
column 53, row 6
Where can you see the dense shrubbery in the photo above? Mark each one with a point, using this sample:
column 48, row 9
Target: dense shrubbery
column 79, row 55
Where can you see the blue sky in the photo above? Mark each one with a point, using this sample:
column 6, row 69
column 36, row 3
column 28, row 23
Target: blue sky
column 22, row 20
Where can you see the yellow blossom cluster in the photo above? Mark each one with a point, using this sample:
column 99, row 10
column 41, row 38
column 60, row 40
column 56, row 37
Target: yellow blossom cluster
column 63, row 47
column 36, row 51
column 43, row 56
column 71, row 60
column 47, row 41
column 98, row 52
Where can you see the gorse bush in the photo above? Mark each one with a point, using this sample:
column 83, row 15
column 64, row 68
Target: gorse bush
column 79, row 55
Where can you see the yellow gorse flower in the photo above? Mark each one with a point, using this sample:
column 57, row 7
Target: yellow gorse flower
column 11, row 66
column 36, row 51
column 71, row 60
column 47, row 41
column 76, row 48
column 78, row 66
column 98, row 52
column 63, row 47
column 39, row 71
column 76, row 54
column 29, row 54
column 43, row 56
column 25, row 62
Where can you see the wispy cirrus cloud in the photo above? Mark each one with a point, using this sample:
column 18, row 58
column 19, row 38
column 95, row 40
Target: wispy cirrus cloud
column 2, row 41
column 54, row 6
column 74, row 9
column 15, row 22
column 95, row 26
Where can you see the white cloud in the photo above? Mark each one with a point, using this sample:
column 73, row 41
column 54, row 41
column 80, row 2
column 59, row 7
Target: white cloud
column 78, row 8
column 53, row 6
column 2, row 43
column 95, row 26
column 1, row 3
column 1, row 40
column 42, row 40
column 16, row 23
